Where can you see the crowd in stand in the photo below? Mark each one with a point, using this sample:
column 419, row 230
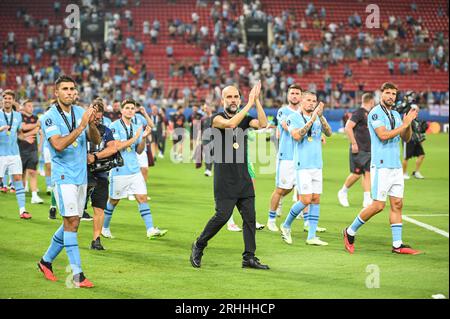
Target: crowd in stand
column 275, row 65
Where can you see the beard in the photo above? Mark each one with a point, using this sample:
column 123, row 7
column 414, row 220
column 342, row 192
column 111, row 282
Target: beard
column 388, row 103
column 231, row 109
column 294, row 103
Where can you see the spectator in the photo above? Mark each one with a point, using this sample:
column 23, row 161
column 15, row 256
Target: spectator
column 391, row 66
column 402, row 68
column 415, row 67
column 169, row 51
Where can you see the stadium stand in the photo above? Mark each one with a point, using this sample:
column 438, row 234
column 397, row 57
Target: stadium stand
column 317, row 43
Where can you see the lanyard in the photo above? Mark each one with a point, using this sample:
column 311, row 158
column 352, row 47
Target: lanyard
column 125, row 127
column 71, row 128
column 390, row 116
column 310, row 129
column 6, row 120
column 234, row 132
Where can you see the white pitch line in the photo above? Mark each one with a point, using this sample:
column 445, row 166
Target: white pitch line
column 428, row 215
column 426, row 226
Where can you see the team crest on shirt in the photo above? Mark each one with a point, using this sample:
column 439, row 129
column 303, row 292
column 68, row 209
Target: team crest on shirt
column 374, row 117
column 48, row 122
column 288, row 122
column 113, row 130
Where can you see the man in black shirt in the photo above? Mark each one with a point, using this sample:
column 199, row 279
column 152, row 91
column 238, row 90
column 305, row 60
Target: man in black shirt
column 232, row 182
column 358, row 133
column 29, row 150
column 178, row 120
column 194, row 126
column 98, row 182
column 157, row 131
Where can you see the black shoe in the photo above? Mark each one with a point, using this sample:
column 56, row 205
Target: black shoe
column 52, row 213
column 97, row 245
column 86, row 216
column 196, row 255
column 253, row 263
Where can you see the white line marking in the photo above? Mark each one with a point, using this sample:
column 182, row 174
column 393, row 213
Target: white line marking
column 426, row 226
column 428, row 215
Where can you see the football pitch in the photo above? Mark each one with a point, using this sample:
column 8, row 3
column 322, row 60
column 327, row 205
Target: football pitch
column 133, row 266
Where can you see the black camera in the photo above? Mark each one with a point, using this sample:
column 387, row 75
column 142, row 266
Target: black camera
column 404, row 106
column 106, row 164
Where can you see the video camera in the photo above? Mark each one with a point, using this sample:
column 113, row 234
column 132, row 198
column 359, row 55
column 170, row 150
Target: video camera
column 106, row 164
column 404, row 106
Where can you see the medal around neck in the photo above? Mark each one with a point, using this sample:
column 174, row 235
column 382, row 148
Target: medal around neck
column 235, row 146
column 75, row 144
column 8, row 133
column 310, row 139
column 128, row 149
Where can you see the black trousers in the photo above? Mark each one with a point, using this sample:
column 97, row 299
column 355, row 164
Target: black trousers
column 224, row 209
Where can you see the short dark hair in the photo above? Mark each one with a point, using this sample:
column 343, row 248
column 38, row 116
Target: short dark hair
column 99, row 105
column 9, row 92
column 64, row 78
column 388, row 85
column 127, row 101
column 367, row 97
column 294, row 87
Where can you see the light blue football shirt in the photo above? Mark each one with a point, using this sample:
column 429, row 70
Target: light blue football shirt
column 286, row 144
column 8, row 142
column 307, row 155
column 385, row 154
column 106, row 121
column 140, row 120
column 130, row 160
column 70, row 165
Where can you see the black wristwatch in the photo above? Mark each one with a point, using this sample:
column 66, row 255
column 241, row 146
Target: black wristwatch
column 95, row 158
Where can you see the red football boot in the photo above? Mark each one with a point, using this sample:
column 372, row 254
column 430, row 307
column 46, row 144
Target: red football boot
column 25, row 215
column 350, row 247
column 47, row 271
column 405, row 250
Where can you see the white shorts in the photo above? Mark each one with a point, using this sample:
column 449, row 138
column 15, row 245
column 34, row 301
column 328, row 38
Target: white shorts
column 120, row 186
column 47, row 156
column 11, row 164
column 285, row 175
column 309, row 181
column 70, row 199
column 386, row 182
column 142, row 159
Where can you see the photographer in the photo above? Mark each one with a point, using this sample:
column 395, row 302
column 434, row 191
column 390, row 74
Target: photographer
column 98, row 178
column 414, row 147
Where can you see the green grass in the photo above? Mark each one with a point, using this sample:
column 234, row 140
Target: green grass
column 182, row 201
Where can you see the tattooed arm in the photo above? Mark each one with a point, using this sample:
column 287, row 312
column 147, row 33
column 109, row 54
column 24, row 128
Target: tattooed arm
column 299, row 133
column 326, row 129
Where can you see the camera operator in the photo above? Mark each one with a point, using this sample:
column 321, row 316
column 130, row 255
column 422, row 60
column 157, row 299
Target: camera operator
column 98, row 181
column 414, row 147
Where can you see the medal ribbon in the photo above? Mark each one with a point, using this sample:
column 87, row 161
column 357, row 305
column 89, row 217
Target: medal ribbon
column 125, row 127
column 65, row 118
column 390, row 117
column 310, row 129
column 6, row 120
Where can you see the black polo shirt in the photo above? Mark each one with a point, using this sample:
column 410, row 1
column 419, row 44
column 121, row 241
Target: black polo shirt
column 231, row 177
column 361, row 131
